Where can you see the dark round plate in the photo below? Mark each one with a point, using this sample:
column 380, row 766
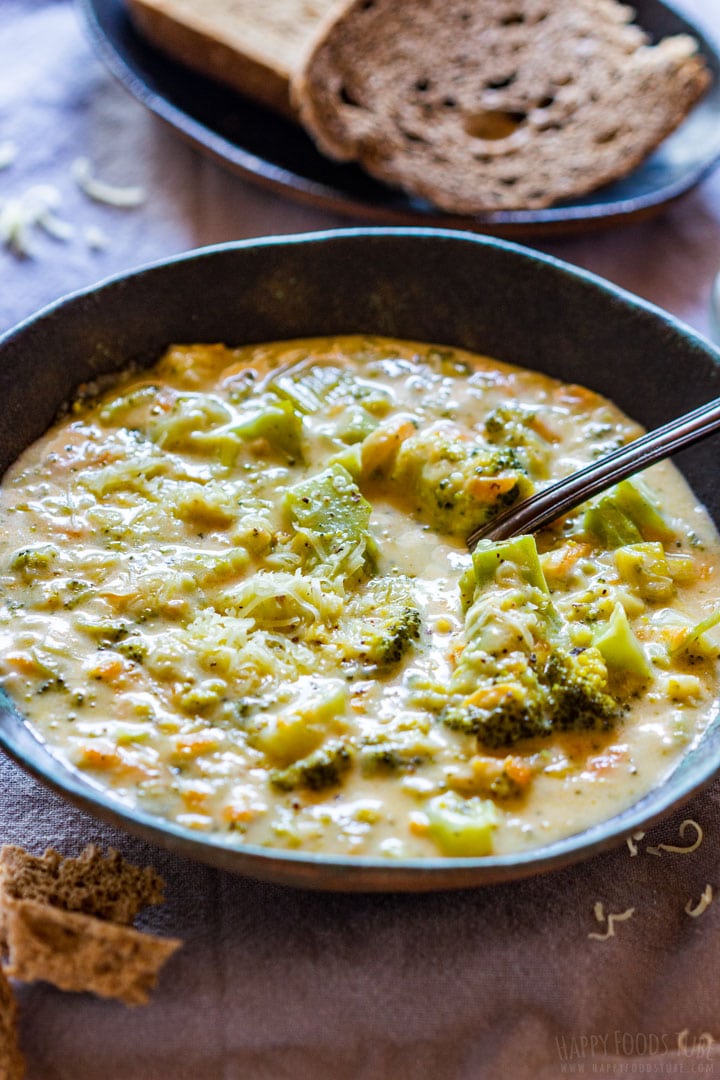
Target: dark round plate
column 459, row 288
column 276, row 153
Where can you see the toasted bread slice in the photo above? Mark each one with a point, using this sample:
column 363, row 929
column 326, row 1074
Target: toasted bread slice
column 494, row 104
column 81, row 952
column 252, row 46
column 105, row 886
column 66, row 921
column 12, row 1066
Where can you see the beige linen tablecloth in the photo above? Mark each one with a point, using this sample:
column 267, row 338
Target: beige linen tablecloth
column 500, row 982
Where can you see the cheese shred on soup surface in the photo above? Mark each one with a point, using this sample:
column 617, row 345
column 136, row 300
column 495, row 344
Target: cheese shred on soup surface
column 234, row 591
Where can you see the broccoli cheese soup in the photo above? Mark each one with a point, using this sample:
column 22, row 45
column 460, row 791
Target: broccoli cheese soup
column 235, row 592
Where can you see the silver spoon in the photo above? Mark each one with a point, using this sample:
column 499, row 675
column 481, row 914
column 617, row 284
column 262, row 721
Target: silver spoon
column 564, row 495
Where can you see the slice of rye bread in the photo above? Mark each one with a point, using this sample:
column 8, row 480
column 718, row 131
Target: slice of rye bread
column 105, row 886
column 82, row 953
column 482, row 105
column 252, row 45
column 12, row 1065
column 66, row 921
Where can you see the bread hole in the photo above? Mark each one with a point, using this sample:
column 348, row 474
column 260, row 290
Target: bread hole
column 493, row 125
column 422, row 85
column 347, row 98
column 546, row 102
column 449, row 103
column 465, row 16
column 412, row 136
column 509, row 181
column 483, row 159
column 367, row 5
column 516, row 19
column 607, row 136
column 500, row 84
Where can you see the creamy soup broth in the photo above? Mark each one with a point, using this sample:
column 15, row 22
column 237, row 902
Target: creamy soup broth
column 234, row 591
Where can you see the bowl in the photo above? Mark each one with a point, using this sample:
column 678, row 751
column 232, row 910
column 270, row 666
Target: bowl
column 441, row 286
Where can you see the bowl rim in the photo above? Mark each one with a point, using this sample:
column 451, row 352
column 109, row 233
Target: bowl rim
column 360, row 232
column 335, row 871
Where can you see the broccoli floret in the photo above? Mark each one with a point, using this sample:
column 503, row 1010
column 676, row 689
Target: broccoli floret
column 323, row 768
column 456, row 485
column 512, row 719
column 577, row 688
column 516, row 427
column 381, row 623
column 516, row 677
column 34, row 561
column 388, row 758
column 390, row 643
column 568, row 693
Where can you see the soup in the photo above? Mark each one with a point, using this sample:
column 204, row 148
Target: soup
column 235, row 592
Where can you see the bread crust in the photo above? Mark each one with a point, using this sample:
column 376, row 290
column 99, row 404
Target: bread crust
column 208, row 36
column 494, row 104
column 12, row 1064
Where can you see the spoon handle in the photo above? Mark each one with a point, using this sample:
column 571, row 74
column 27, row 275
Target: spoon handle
column 564, row 495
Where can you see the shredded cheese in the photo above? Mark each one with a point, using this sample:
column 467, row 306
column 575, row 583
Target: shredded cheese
column 100, row 191
column 674, row 847
column 34, row 208
column 611, row 920
column 630, row 840
column 8, row 153
column 702, row 904
column 95, row 238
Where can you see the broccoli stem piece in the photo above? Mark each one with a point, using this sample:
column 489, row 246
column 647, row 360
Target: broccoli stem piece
column 626, row 515
column 275, row 421
column 461, row 827
column 520, row 550
column 331, row 519
column 620, row 648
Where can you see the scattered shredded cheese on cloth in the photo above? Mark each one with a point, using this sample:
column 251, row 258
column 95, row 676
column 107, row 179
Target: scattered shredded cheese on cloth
column 702, row 905
column 630, row 841
column 100, row 191
column 599, row 911
column 8, row 153
column 674, row 847
column 36, row 206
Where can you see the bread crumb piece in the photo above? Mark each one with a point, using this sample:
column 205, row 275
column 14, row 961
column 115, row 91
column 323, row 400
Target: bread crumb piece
column 67, row 921
column 12, row 1066
column 107, row 887
column 82, row 953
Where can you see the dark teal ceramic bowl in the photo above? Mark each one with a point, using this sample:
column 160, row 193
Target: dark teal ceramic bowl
column 458, row 288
